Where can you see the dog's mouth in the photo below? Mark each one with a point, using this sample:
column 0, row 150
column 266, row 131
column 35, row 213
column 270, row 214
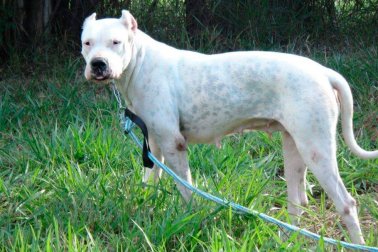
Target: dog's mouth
column 101, row 78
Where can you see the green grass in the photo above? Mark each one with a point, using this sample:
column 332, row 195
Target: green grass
column 71, row 181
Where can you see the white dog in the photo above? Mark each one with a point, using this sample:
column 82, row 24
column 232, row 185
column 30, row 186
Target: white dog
column 186, row 97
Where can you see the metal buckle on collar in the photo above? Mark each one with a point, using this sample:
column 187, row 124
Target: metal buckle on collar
column 128, row 125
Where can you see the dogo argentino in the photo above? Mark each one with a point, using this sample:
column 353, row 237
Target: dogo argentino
column 187, row 97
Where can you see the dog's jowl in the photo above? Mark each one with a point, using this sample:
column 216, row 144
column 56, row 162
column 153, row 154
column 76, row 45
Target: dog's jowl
column 188, row 97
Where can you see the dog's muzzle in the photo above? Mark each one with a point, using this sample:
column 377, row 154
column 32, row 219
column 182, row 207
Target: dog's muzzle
column 100, row 69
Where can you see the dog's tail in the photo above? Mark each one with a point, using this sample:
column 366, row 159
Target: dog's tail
column 339, row 83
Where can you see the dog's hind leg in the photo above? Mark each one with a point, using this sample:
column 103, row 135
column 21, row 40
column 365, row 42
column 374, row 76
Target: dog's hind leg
column 319, row 153
column 295, row 175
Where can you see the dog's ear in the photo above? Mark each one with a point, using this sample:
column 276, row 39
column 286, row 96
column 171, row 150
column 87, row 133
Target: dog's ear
column 129, row 21
column 90, row 18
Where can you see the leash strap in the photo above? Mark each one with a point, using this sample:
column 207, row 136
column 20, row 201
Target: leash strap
column 147, row 162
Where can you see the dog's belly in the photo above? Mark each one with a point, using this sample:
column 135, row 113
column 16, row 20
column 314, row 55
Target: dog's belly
column 209, row 132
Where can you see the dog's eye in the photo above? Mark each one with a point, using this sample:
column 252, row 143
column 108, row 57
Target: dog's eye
column 116, row 42
column 87, row 43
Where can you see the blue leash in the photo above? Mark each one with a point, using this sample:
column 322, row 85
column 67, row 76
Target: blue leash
column 128, row 126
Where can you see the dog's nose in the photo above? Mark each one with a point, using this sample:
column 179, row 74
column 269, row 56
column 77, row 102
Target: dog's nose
column 100, row 69
column 99, row 65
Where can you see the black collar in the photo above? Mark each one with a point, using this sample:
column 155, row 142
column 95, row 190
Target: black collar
column 147, row 162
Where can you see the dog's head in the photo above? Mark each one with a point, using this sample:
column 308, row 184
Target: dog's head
column 107, row 46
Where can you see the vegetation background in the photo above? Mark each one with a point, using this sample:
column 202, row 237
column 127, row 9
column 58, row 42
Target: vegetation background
column 70, row 180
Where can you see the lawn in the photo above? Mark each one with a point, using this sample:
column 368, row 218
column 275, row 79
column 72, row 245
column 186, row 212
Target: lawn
column 70, row 180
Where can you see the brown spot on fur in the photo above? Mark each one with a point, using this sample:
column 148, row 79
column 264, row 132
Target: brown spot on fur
column 181, row 145
column 353, row 202
column 346, row 210
column 315, row 157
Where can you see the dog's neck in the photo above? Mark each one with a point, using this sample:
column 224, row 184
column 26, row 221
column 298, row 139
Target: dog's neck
column 131, row 71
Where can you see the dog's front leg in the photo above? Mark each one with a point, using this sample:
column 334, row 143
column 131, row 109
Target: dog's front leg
column 174, row 148
column 155, row 171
